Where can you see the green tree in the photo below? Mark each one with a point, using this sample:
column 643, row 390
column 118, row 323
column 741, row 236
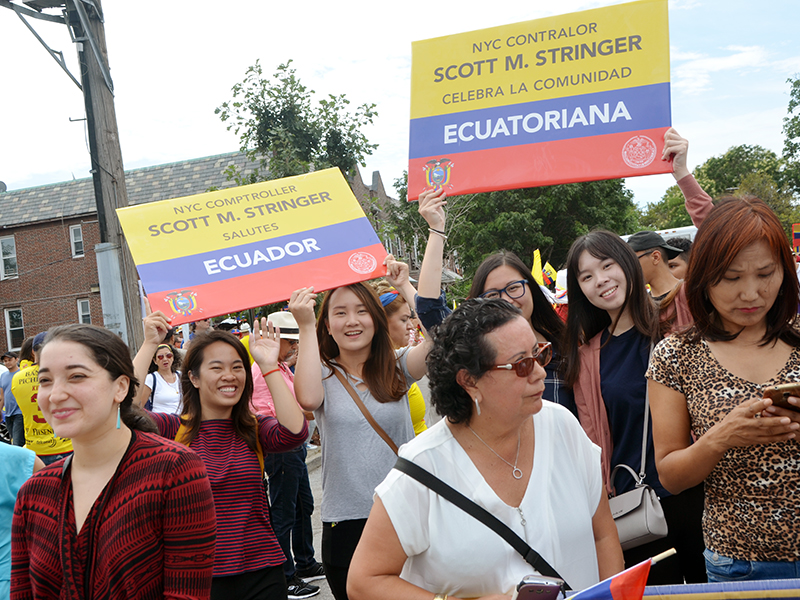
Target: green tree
column 722, row 175
column 791, row 124
column 286, row 133
column 666, row 214
column 547, row 218
column 791, row 145
column 779, row 198
column 740, row 170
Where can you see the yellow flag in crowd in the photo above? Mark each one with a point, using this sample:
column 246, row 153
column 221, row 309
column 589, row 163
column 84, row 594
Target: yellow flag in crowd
column 537, row 267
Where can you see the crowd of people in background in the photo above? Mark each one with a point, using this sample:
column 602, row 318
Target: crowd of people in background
column 181, row 472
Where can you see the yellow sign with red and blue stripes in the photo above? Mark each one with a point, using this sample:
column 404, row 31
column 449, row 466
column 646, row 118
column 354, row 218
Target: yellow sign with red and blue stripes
column 219, row 252
column 579, row 97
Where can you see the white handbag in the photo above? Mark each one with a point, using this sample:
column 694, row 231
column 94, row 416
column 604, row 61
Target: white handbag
column 638, row 514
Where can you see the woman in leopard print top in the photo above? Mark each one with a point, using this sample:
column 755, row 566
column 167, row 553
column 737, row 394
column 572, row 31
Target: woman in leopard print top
column 743, row 293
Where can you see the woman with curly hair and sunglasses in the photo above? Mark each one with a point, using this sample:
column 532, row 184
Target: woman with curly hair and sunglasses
column 525, row 460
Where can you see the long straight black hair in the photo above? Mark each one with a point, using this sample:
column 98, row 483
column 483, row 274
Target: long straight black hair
column 192, row 415
column 584, row 319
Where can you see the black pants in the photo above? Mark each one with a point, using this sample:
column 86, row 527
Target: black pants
column 264, row 584
column 339, row 541
column 292, row 504
column 684, row 514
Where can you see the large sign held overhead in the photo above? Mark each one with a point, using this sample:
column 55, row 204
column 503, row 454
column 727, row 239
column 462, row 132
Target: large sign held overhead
column 579, row 97
column 221, row 252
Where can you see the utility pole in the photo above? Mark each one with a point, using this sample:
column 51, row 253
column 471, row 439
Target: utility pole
column 114, row 261
column 118, row 276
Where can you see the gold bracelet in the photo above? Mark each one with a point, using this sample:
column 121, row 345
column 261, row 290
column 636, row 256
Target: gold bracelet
column 440, row 597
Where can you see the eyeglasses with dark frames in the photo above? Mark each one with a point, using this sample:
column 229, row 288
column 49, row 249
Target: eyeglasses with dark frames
column 514, row 290
column 524, row 366
column 643, row 254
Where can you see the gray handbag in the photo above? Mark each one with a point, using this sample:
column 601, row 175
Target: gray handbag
column 638, row 514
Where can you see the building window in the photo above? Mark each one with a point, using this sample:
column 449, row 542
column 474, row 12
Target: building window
column 84, row 312
column 15, row 332
column 76, row 240
column 8, row 250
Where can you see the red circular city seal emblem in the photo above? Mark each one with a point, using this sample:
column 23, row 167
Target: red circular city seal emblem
column 639, row 151
column 362, row 263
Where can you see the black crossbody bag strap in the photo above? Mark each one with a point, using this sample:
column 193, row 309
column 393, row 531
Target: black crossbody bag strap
column 455, row 497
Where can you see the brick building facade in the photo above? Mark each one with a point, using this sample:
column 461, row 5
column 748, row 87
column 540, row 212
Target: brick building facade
column 48, row 267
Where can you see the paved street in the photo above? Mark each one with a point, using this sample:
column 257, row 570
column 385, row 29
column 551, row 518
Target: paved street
column 315, row 477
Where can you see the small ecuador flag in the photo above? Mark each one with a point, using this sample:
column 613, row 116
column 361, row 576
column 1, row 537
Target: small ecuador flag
column 549, row 273
column 796, row 237
column 627, row 585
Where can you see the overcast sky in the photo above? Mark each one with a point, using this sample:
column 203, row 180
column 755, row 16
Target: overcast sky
column 172, row 63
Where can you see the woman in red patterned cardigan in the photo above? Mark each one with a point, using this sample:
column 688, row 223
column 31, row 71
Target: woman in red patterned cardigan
column 130, row 514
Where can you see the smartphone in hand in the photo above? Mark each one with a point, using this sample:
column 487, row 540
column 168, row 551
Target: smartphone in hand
column 539, row 587
column 779, row 394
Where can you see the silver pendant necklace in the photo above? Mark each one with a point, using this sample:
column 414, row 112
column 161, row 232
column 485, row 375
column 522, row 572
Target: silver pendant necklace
column 517, row 472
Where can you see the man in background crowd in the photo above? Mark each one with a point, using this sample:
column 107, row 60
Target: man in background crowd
column 14, row 419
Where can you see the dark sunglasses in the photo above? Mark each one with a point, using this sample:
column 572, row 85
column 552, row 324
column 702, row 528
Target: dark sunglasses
column 524, row 366
column 163, row 356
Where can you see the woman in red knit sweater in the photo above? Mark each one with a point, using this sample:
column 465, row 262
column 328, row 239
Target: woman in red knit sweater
column 129, row 515
column 216, row 422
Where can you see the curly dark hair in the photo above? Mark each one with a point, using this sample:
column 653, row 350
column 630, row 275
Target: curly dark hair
column 460, row 343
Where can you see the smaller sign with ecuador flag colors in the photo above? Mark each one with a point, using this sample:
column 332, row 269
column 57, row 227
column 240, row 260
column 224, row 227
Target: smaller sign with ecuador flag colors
column 579, row 97
column 234, row 249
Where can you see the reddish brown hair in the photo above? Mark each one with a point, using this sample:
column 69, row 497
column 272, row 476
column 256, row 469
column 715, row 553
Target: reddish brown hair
column 381, row 371
column 733, row 225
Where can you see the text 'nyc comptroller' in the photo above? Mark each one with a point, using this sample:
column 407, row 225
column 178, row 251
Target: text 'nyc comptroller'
column 220, row 252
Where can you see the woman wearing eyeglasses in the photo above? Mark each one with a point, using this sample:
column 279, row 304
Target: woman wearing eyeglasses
column 522, row 458
column 612, row 326
column 161, row 390
column 504, row 276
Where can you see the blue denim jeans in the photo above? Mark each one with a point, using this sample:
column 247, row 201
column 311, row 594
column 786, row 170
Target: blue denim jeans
column 291, row 504
column 16, row 428
column 722, row 568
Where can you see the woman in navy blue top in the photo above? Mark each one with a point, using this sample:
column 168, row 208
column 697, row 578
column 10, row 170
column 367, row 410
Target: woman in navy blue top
column 612, row 325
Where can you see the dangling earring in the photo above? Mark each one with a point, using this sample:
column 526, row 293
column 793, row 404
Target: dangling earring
column 119, row 415
column 477, row 407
